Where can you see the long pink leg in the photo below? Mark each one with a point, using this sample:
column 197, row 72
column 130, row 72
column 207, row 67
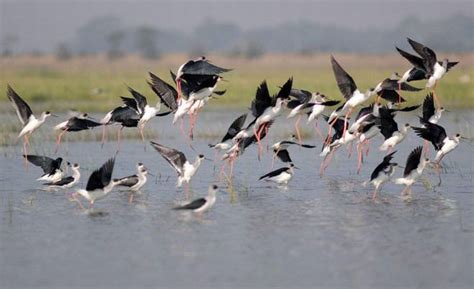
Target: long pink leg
column 58, row 141
column 191, row 125
column 329, row 131
column 368, row 147
column 426, row 148
column 257, row 135
column 318, row 131
column 178, row 84
column 374, row 195
column 103, row 136
column 297, row 124
column 404, row 192
column 345, row 122
column 350, row 149
column 359, row 157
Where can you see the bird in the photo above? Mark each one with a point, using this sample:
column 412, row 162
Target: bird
column 196, row 69
column 280, row 149
column 435, row 69
column 27, row 118
column 146, row 111
column 387, row 89
column 126, row 115
column 349, row 90
column 232, row 131
column 100, row 183
column 52, row 171
column 77, row 122
column 178, row 161
column 382, row 173
column 389, row 129
column 436, row 134
column 413, row 170
column 266, row 108
column 201, row 205
column 329, row 145
column 280, row 176
column 430, row 113
column 167, row 93
column 66, row 182
column 134, row 182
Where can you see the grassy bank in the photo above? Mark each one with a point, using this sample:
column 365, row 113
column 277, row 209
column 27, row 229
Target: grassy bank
column 94, row 83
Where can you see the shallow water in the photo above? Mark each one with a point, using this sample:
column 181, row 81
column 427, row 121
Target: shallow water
column 319, row 232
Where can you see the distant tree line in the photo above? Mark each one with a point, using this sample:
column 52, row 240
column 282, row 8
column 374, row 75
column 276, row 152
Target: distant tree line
column 109, row 35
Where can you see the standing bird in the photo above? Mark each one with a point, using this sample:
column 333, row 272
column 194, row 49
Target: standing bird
column 134, row 182
column 25, row 114
column 349, row 90
column 413, row 170
column 66, row 182
column 382, row 174
column 100, row 183
column 52, row 171
column 178, row 161
column 201, row 205
column 75, row 123
column 435, row 69
column 281, row 176
column 232, row 131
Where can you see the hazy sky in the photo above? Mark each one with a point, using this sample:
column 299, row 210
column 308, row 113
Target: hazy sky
column 41, row 24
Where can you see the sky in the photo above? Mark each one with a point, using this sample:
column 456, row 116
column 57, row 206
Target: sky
column 42, row 24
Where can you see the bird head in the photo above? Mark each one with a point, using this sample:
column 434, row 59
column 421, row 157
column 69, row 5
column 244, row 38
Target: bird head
column 371, row 91
column 75, row 166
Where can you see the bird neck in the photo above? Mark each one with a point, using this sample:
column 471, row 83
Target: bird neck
column 197, row 162
column 211, row 194
column 76, row 174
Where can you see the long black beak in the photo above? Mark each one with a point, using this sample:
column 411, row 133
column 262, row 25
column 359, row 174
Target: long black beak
column 208, row 159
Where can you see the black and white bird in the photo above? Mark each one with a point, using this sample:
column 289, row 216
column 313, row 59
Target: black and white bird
column 100, row 183
column 75, row 123
column 27, row 118
column 232, row 131
column 382, row 173
column 349, row 90
column 66, row 182
column 266, row 108
column 435, row 69
column 178, row 161
column 52, row 171
column 201, row 205
column 134, row 182
column 430, row 113
column 280, row 176
column 414, row 168
column 167, row 93
column 389, row 87
column 389, row 129
column 436, row 134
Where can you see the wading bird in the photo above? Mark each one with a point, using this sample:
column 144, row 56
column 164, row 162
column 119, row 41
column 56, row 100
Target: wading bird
column 382, row 174
column 66, row 182
column 413, row 170
column 134, row 182
column 201, row 205
column 280, row 176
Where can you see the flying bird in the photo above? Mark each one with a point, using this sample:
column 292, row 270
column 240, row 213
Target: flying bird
column 52, row 171
column 75, row 123
column 232, row 131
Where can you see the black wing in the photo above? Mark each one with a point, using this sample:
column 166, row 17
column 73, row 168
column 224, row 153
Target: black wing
column 129, row 181
column 386, row 123
column 262, row 100
column 344, row 81
column 407, row 108
column 139, row 98
column 274, row 173
column 413, row 161
column 391, row 95
column 283, row 155
column 61, row 182
column 416, row 61
column 433, row 133
column 301, row 94
column 165, row 92
column 429, row 56
column 365, row 111
column 382, row 166
column 202, row 67
column 102, row 176
column 196, row 204
column 330, row 102
column 48, row 165
column 416, row 74
column 130, row 102
column 428, row 107
column 390, row 84
column 235, row 127
column 78, row 124
column 285, row 90
column 23, row 110
column 126, row 116
column 174, row 157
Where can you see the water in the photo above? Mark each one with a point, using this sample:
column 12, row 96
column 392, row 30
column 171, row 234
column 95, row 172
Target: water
column 319, row 232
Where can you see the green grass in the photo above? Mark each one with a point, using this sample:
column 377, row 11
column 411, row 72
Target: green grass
column 61, row 87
